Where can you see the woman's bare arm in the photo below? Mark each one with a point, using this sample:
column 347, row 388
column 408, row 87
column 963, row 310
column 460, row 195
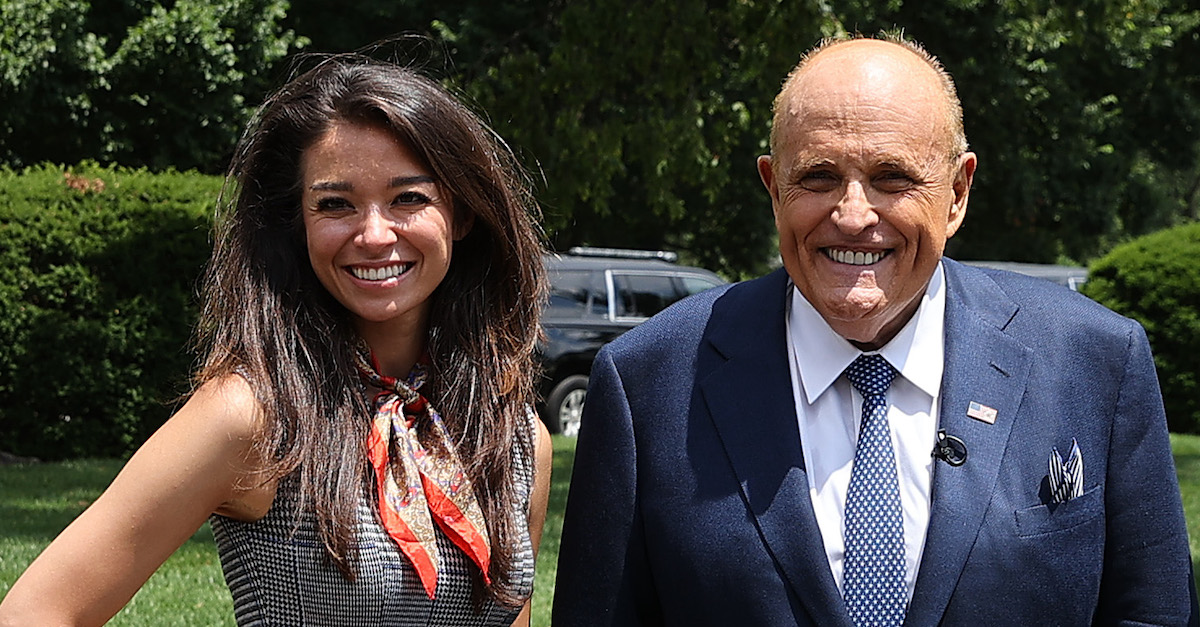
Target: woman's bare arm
column 198, row 462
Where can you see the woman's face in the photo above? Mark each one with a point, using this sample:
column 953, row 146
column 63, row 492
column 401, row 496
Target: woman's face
column 379, row 227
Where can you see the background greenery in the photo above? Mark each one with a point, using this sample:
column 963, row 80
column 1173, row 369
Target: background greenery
column 189, row 589
column 1155, row 279
column 160, row 84
column 97, row 270
column 642, row 119
column 641, row 122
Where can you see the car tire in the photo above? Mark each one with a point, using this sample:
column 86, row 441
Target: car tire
column 564, row 405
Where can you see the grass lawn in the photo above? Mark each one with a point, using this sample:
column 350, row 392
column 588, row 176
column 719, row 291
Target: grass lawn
column 37, row 501
column 1187, row 465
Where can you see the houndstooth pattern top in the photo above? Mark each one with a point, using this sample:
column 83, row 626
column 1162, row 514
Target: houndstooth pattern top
column 278, row 576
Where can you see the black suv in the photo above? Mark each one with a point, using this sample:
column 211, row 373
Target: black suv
column 597, row 294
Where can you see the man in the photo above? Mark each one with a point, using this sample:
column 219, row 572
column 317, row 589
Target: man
column 877, row 435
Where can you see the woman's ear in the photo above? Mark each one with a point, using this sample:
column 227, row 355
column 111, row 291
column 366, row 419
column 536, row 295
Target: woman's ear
column 464, row 221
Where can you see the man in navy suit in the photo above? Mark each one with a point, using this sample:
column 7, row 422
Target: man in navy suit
column 1003, row 461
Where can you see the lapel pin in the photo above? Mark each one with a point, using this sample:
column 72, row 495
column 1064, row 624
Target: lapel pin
column 981, row 412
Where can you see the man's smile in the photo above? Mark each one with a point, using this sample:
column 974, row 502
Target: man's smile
column 855, row 258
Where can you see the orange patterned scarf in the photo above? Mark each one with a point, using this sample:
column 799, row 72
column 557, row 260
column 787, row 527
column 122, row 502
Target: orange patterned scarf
column 419, row 486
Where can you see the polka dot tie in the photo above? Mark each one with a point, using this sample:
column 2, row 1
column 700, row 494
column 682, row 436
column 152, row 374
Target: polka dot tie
column 873, row 578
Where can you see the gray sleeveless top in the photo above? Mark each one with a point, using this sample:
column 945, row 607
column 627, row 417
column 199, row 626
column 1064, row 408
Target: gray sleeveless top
column 278, row 574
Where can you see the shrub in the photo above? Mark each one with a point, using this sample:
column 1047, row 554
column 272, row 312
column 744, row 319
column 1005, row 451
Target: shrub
column 97, row 274
column 1155, row 280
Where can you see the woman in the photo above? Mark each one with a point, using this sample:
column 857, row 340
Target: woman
column 361, row 432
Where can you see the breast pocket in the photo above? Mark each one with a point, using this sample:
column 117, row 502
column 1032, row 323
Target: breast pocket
column 1058, row 517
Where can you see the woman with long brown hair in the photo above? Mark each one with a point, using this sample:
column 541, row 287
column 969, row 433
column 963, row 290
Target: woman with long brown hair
column 361, row 433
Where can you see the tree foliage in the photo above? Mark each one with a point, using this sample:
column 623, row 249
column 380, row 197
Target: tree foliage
column 646, row 119
column 641, row 121
column 160, row 85
column 1085, row 115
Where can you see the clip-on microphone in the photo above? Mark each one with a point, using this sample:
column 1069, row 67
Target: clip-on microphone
column 950, row 449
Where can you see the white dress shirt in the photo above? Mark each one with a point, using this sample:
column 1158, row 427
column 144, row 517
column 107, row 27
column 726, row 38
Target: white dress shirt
column 830, row 412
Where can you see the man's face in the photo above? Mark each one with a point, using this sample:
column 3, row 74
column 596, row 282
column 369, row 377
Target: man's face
column 863, row 186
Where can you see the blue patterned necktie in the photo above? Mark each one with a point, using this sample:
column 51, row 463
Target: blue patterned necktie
column 873, row 580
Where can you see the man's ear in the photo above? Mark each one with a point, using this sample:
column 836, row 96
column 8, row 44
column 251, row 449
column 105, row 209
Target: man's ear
column 964, row 175
column 766, row 172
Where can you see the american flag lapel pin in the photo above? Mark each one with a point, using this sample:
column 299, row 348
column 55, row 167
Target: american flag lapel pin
column 981, row 412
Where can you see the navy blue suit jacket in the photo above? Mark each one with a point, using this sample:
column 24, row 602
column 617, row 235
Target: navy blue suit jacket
column 689, row 503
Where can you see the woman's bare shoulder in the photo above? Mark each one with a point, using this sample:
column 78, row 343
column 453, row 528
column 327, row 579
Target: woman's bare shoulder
column 226, row 403
column 231, row 412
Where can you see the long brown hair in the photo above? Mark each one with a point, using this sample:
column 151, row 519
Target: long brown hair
column 266, row 315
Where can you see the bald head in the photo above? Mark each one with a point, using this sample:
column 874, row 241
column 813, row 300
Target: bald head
column 868, row 176
column 862, row 64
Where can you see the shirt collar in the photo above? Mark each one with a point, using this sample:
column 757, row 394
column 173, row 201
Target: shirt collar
column 916, row 352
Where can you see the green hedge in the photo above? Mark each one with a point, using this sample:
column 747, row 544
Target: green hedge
column 98, row 270
column 1156, row 280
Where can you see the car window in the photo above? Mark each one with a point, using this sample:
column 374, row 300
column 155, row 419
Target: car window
column 696, row 284
column 598, row 307
column 570, row 294
column 643, row 295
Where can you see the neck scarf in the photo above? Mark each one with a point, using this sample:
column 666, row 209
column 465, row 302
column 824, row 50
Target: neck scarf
column 418, row 486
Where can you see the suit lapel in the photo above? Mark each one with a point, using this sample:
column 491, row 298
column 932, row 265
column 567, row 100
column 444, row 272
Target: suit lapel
column 985, row 365
column 748, row 391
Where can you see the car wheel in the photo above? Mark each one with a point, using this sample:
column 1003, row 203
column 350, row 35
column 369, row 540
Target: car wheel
column 564, row 405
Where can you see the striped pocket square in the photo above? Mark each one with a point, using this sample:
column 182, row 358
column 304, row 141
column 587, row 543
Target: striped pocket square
column 1066, row 477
